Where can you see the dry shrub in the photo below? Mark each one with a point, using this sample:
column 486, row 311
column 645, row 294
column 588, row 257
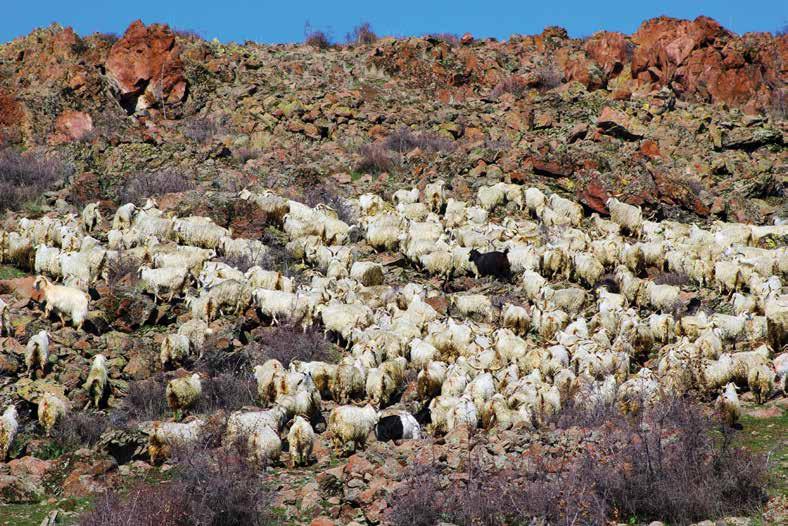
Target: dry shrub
column 23, row 178
column 109, row 38
column 227, row 392
column 678, row 465
column 244, row 154
column 145, row 505
column 362, row 34
column 203, row 130
column 225, row 488
column 209, row 488
column 288, row 342
column 79, row 430
column 327, row 195
column 143, row 185
column 316, row 38
column 145, row 400
column 404, row 140
column 122, row 270
column 244, row 262
column 490, row 497
column 671, row 463
column 417, row 501
column 217, row 356
column 548, row 76
column 515, row 85
column 79, row 47
column 695, row 185
column 375, row 158
column 277, row 257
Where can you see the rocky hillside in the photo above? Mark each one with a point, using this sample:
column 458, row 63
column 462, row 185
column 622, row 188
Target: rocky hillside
column 386, row 284
column 681, row 117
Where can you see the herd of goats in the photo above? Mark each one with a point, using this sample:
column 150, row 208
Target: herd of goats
column 586, row 308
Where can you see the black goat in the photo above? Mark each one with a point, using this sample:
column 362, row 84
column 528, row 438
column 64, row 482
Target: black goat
column 397, row 427
column 492, row 263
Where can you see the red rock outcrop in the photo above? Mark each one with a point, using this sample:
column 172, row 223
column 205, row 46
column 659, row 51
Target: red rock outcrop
column 700, row 59
column 72, row 126
column 10, row 110
column 146, row 68
column 611, row 51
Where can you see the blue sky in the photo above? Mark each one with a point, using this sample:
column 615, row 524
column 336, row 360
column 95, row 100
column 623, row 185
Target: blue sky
column 283, row 21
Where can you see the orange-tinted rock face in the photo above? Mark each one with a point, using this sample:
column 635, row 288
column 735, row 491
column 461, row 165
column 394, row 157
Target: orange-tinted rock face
column 73, row 126
column 700, row 59
column 146, row 68
column 609, row 50
column 10, row 110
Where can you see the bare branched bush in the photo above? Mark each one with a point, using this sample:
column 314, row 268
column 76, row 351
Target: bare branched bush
column 162, row 505
column 327, row 195
column 204, row 130
column 79, row 47
column 404, row 140
column 209, row 488
column 78, row 430
column 375, row 158
column 287, row 342
column 515, row 85
column 671, row 463
column 141, row 186
column 122, row 270
column 244, row 154
column 489, row 497
column 675, row 464
column 316, row 38
column 416, row 502
column 244, row 262
column 217, row 356
column 277, row 257
column 695, row 185
column 145, row 400
column 362, row 34
column 228, row 392
column 189, row 34
column 548, row 76
column 109, row 38
column 23, row 178
column 225, row 488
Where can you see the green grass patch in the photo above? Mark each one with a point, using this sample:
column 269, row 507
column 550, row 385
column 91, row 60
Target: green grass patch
column 34, row 514
column 769, row 436
column 8, row 272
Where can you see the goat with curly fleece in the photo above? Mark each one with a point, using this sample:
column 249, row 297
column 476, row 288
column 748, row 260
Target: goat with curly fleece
column 301, row 439
column 97, row 384
column 65, row 301
column 183, row 393
column 350, row 425
column 9, row 426
column 37, row 352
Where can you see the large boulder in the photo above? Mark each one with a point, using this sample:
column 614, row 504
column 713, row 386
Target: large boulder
column 145, row 67
column 72, row 126
column 703, row 60
column 609, row 50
